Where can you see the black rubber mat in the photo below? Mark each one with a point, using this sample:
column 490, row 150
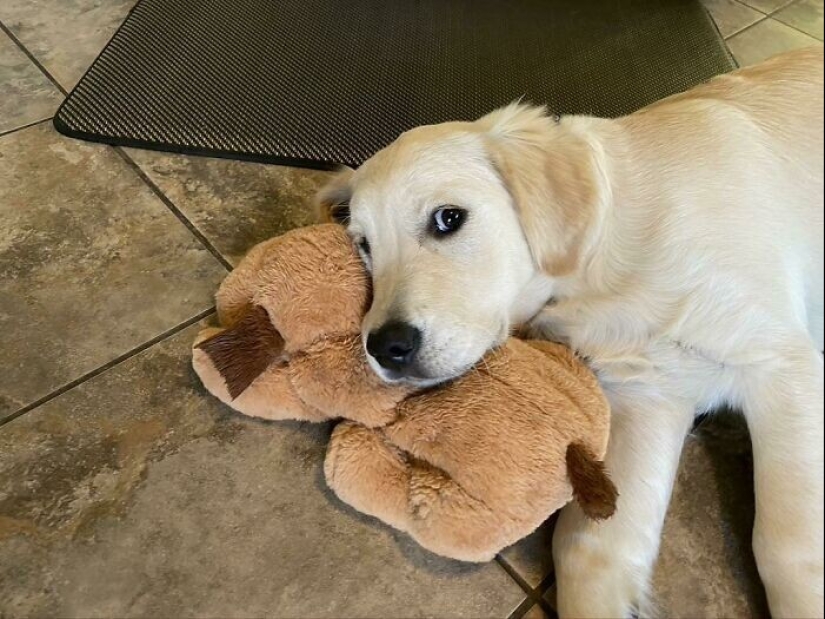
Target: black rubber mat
column 324, row 82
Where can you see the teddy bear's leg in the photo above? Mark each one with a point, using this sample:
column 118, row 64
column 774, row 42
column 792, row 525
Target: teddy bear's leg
column 369, row 473
column 447, row 520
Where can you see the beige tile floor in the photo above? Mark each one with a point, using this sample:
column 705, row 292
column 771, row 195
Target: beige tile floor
column 126, row 491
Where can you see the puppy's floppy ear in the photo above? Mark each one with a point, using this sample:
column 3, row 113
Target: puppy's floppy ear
column 552, row 178
column 593, row 489
column 241, row 353
column 333, row 199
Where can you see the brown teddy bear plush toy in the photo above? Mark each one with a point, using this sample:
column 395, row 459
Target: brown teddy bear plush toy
column 466, row 468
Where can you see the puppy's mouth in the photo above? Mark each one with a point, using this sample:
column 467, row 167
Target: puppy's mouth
column 412, row 376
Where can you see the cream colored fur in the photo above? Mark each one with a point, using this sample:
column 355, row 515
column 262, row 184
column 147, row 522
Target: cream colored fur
column 682, row 247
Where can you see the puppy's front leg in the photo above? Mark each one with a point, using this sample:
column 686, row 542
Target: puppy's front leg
column 783, row 403
column 603, row 568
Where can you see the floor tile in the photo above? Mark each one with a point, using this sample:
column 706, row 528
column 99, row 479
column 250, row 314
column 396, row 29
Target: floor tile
column 767, row 38
column 92, row 264
column 731, row 16
column 706, row 567
column 234, row 204
column 64, row 35
column 136, row 494
column 805, row 15
column 26, row 95
column 532, row 557
column 767, row 6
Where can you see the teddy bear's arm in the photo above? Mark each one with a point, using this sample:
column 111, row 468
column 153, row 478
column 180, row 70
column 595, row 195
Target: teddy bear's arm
column 369, row 473
column 332, row 375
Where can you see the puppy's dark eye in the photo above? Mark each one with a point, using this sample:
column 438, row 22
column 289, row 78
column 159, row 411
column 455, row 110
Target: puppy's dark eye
column 364, row 247
column 340, row 214
column 448, row 219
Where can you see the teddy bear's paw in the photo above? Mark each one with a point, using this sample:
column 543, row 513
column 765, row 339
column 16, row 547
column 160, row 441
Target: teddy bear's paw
column 368, row 473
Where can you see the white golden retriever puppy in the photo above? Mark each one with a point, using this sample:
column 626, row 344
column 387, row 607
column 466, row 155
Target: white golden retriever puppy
column 679, row 249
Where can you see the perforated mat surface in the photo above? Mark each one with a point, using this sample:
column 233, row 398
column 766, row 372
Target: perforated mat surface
column 324, row 82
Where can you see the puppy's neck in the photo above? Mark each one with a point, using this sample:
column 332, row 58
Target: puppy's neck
column 534, row 297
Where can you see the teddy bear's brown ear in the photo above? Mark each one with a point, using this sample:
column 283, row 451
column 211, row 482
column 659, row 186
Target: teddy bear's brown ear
column 241, row 353
column 593, row 489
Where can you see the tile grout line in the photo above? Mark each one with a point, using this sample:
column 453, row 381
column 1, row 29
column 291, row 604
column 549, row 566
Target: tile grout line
column 524, row 607
column 168, row 203
column 542, row 589
column 108, row 365
column 762, row 19
column 787, row 25
column 135, row 167
column 32, row 58
column 768, row 13
column 546, row 582
column 746, row 28
column 548, row 610
column 772, row 16
column 534, row 594
column 512, row 573
column 174, row 209
column 26, row 126
column 742, row 4
column 784, row 6
column 773, row 19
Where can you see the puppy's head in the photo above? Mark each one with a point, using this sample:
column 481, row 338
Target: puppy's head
column 459, row 224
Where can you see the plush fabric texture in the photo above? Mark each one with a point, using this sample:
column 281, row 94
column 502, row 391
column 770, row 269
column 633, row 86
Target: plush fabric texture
column 467, row 468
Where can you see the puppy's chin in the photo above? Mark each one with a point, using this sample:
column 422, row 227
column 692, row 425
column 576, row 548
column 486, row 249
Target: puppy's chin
column 416, row 380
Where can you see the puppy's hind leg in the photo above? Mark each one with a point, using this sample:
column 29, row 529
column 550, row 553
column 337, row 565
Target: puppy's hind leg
column 783, row 403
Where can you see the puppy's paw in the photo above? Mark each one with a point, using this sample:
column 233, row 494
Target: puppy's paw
column 596, row 582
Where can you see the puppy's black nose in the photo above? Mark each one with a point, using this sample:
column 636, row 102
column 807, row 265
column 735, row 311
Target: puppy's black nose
column 394, row 345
